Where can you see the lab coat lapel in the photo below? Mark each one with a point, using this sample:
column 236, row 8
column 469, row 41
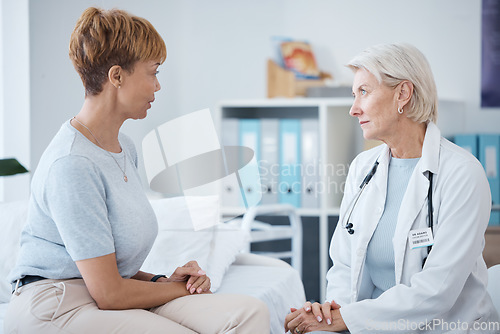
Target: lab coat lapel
column 380, row 179
column 377, row 190
column 371, row 210
column 415, row 197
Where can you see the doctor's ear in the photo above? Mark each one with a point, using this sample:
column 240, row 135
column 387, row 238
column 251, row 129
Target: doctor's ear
column 405, row 91
column 115, row 75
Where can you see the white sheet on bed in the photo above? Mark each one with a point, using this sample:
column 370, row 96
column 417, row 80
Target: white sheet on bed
column 279, row 287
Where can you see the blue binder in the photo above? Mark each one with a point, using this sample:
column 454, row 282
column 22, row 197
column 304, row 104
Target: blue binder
column 269, row 163
column 489, row 146
column 290, row 172
column 468, row 142
column 250, row 136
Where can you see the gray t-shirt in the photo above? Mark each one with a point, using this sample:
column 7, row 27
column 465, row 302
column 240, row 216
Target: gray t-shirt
column 81, row 208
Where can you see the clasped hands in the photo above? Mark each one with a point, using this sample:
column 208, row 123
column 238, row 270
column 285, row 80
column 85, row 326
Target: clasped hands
column 315, row 317
column 196, row 279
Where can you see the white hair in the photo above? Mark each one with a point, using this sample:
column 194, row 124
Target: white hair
column 393, row 63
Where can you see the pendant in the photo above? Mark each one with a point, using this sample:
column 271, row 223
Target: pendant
column 125, row 178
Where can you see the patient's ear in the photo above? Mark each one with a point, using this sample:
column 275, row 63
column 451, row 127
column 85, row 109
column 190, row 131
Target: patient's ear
column 115, row 75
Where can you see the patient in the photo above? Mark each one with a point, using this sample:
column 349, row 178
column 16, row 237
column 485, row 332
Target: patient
column 407, row 251
column 90, row 225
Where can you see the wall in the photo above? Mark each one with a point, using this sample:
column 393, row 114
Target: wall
column 217, row 50
column 14, row 95
column 2, row 104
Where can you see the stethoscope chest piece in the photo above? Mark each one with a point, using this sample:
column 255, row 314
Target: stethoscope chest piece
column 349, row 228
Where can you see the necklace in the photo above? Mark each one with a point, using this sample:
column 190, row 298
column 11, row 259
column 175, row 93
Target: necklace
column 125, row 178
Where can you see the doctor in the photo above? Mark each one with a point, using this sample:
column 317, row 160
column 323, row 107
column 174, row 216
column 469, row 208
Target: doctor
column 407, row 251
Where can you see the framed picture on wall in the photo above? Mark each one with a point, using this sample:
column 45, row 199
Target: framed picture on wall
column 490, row 54
column 298, row 57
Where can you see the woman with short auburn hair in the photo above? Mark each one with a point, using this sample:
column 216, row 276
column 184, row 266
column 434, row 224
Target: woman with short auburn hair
column 90, row 225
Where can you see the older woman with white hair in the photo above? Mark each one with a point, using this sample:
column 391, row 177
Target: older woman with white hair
column 407, row 251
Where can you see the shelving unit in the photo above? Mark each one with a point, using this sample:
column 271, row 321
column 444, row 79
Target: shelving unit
column 339, row 141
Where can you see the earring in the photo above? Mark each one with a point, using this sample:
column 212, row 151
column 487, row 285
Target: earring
column 400, row 110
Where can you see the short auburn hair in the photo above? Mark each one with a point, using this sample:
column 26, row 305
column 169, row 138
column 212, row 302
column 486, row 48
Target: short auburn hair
column 104, row 38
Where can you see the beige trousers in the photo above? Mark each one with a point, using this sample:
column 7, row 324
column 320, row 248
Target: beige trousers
column 65, row 306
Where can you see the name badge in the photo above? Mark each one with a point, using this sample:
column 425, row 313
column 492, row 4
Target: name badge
column 421, row 238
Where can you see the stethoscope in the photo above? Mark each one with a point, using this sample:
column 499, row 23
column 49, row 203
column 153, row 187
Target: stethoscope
column 349, row 225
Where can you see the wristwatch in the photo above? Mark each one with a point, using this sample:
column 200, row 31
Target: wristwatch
column 156, row 277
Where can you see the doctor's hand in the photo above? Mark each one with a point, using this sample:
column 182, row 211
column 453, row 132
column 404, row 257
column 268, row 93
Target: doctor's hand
column 302, row 321
column 196, row 279
column 322, row 311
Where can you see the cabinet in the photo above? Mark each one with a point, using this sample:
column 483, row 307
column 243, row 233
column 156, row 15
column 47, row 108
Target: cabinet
column 491, row 252
column 339, row 139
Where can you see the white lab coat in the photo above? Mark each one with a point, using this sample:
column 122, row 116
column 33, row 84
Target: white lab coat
column 451, row 288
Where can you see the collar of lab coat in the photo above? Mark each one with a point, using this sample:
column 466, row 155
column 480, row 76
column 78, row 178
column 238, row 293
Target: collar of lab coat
column 430, row 150
column 429, row 160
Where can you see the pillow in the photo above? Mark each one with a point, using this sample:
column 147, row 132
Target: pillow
column 181, row 240
column 14, row 215
column 228, row 241
column 177, row 242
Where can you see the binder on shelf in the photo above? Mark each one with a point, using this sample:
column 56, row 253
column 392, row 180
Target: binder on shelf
column 230, row 131
column 468, row 142
column 250, row 136
column 489, row 146
column 289, row 187
column 230, row 193
column 310, row 163
column 269, row 163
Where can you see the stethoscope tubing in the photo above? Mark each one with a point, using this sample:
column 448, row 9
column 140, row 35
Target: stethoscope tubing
column 362, row 186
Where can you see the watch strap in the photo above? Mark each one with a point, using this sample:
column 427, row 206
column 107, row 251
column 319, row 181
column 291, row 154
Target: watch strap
column 156, row 277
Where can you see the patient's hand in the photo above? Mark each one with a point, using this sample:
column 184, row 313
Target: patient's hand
column 197, row 280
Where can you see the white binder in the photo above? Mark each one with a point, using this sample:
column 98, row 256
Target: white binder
column 310, row 163
column 231, row 193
